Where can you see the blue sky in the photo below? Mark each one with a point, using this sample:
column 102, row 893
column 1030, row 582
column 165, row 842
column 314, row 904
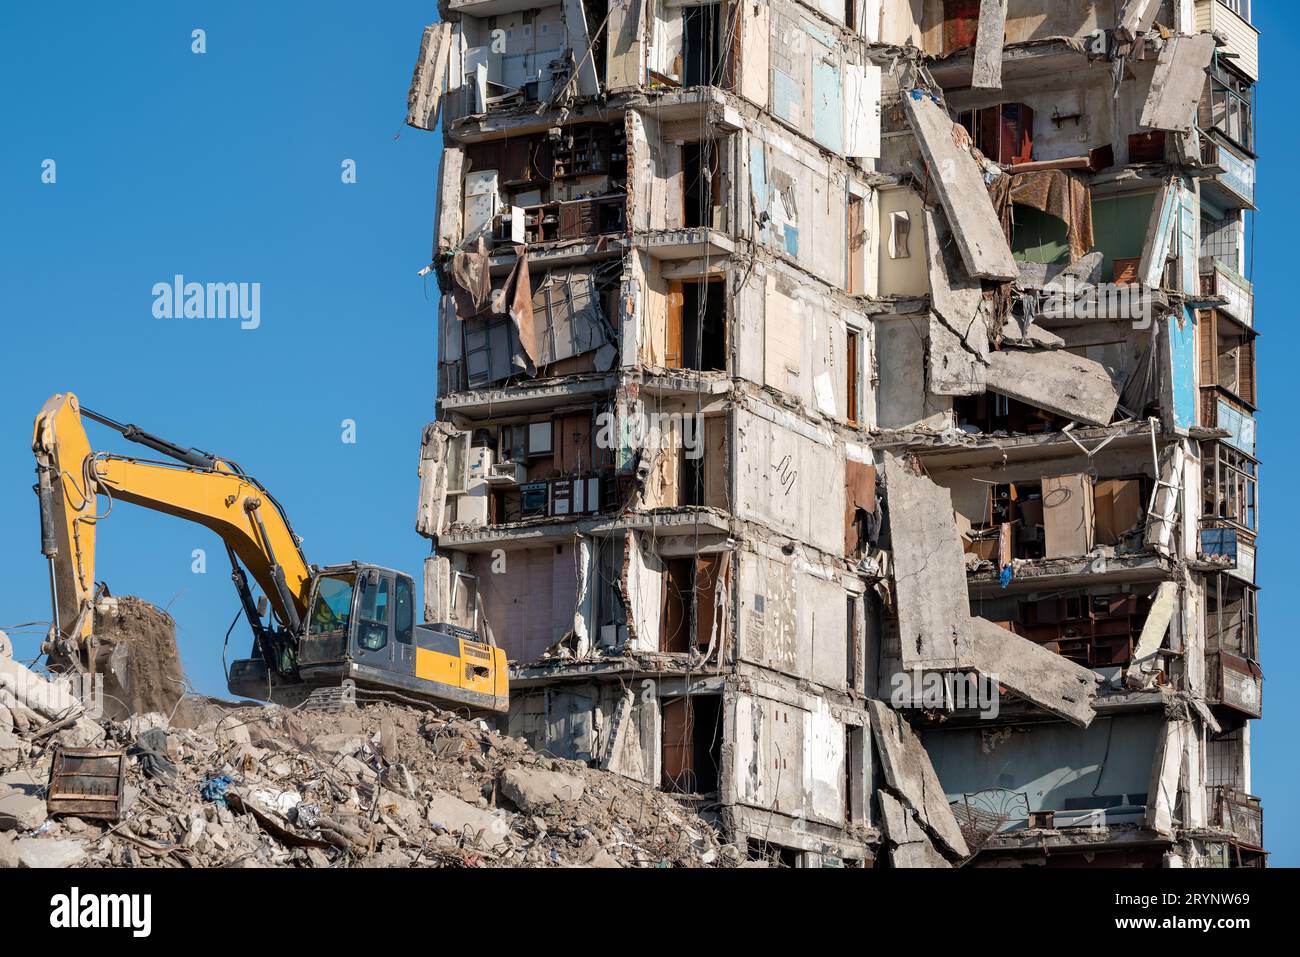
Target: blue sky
column 226, row 166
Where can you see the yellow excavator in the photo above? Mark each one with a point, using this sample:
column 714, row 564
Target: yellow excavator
column 338, row 627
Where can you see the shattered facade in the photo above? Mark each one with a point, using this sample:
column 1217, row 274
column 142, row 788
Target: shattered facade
column 798, row 357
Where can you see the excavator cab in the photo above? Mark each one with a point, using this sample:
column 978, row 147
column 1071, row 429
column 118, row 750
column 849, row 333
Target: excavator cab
column 360, row 627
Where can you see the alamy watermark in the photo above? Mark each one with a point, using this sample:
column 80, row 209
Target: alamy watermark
column 1068, row 298
column 665, row 430
column 944, row 690
column 179, row 299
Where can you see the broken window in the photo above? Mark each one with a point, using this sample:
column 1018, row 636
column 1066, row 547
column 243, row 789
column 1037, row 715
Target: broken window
column 1230, row 486
column 990, row 412
column 696, row 325
column 1228, row 106
column 1231, row 617
column 1227, row 352
column 852, row 375
column 692, row 744
column 900, row 226
column 703, row 46
column 856, row 244
column 694, row 591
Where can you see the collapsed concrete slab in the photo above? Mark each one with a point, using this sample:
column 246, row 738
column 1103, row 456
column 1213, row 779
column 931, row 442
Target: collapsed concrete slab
column 1035, row 673
column 929, row 571
column 957, row 178
column 1060, row 382
column 909, row 845
column 1178, row 83
column 424, row 100
column 987, row 74
column 908, row 772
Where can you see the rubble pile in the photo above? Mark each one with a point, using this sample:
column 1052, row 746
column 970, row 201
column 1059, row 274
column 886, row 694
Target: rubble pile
column 382, row 785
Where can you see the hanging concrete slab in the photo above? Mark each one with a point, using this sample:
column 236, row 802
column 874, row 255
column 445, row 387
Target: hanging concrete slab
column 929, row 571
column 1142, row 669
column 987, row 73
column 1035, row 673
column 1058, row 381
column 909, row 773
column 959, row 182
column 424, row 99
column 1178, row 83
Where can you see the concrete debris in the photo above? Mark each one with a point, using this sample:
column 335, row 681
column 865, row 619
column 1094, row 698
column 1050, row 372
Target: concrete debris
column 34, row 852
column 533, row 789
column 315, row 789
column 20, row 810
column 1073, row 386
column 909, row 845
column 910, row 775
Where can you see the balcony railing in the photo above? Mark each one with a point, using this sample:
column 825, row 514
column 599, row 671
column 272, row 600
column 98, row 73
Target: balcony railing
column 1219, row 279
column 1239, row 814
column 1219, row 410
column 1235, row 682
column 1234, row 183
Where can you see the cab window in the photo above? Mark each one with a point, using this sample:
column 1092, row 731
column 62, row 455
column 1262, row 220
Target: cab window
column 404, row 620
column 373, row 613
column 333, row 606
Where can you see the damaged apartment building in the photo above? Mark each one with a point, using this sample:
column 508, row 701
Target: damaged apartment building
column 798, row 357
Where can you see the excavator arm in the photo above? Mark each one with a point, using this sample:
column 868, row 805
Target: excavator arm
column 74, row 482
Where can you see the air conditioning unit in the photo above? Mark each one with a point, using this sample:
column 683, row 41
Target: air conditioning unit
column 507, row 473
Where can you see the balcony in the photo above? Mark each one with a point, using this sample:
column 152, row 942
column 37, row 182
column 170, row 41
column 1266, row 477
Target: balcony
column 1234, row 682
column 1220, row 280
column 1232, row 183
column 1243, row 39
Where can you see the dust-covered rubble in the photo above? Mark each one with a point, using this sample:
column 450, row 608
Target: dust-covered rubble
column 217, row 784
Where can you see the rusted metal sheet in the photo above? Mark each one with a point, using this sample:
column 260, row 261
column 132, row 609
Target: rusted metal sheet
column 87, row 783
